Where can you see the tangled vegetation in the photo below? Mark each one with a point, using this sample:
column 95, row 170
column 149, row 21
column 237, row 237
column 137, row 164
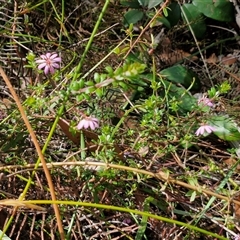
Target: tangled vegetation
column 119, row 119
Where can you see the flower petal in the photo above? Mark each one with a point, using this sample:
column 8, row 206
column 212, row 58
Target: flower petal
column 91, row 125
column 48, row 55
column 55, row 65
column 43, row 57
column 208, row 129
column 88, row 122
column 96, row 125
column 46, row 69
column 94, row 119
column 202, row 130
column 205, row 101
column 198, row 132
column 54, row 55
column 40, row 61
column 80, row 125
column 51, row 69
column 212, row 128
column 42, row 65
column 56, row 60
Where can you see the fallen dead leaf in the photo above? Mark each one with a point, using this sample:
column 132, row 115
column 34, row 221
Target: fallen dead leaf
column 229, row 60
column 212, row 59
column 231, row 161
column 237, row 207
column 176, row 56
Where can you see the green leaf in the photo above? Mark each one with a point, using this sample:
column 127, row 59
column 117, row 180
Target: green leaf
column 143, row 3
column 89, row 90
column 89, row 83
column 5, row 237
column 75, row 86
column 163, row 20
column 97, row 78
column 182, row 75
column 99, row 92
column 174, row 13
column 192, row 194
column 109, row 70
column 225, row 128
column 165, row 12
column 221, row 10
column 153, row 3
column 30, row 101
column 195, row 19
column 134, row 57
column 143, row 225
column 186, row 102
column 138, row 82
column 131, row 3
column 149, row 3
column 133, row 16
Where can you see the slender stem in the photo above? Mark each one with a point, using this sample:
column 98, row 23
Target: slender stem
column 79, row 67
column 83, row 153
column 121, row 209
column 82, row 144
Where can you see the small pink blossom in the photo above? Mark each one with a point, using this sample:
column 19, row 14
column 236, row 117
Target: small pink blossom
column 237, row 237
column 204, row 129
column 204, row 101
column 49, row 61
column 88, row 122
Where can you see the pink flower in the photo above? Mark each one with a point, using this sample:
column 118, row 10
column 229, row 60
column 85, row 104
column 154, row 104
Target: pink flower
column 49, row 61
column 237, row 237
column 87, row 122
column 204, row 101
column 204, row 129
